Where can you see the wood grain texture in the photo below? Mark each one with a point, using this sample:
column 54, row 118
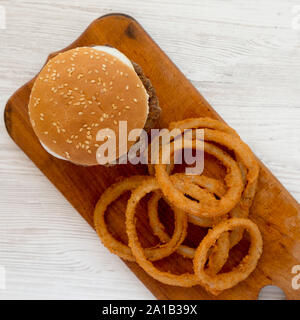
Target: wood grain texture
column 274, row 209
column 242, row 55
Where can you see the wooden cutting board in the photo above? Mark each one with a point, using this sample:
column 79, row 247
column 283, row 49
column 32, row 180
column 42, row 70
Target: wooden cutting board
column 274, row 209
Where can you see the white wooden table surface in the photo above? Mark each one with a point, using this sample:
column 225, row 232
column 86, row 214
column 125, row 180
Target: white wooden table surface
column 243, row 55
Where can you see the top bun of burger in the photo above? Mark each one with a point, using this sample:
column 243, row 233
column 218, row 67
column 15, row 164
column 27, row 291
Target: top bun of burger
column 79, row 92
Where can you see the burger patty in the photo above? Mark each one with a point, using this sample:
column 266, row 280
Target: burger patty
column 154, row 108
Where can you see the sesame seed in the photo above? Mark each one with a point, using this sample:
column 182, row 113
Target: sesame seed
column 135, row 100
column 115, row 122
column 46, row 132
column 89, row 151
column 80, row 113
column 127, row 107
column 53, row 141
column 127, row 87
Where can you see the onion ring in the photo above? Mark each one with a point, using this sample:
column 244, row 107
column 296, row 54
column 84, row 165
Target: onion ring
column 242, row 209
column 208, row 210
column 219, row 253
column 121, row 249
column 216, row 283
column 183, row 280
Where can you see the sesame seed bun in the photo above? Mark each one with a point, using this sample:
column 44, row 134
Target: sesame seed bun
column 83, row 90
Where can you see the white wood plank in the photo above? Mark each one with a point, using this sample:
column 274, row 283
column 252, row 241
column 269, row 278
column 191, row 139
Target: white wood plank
column 244, row 56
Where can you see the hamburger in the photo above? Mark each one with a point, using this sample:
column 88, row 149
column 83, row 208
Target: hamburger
column 84, row 90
